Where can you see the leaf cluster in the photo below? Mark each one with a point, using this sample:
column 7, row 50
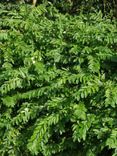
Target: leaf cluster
column 58, row 83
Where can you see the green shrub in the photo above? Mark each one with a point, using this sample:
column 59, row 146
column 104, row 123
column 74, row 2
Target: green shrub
column 58, row 83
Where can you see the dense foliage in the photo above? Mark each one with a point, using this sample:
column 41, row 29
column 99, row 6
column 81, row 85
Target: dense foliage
column 58, row 83
column 75, row 6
